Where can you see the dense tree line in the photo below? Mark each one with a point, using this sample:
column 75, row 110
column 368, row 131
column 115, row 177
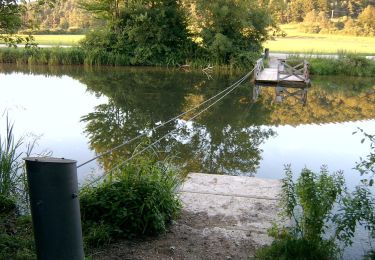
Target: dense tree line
column 59, row 17
column 178, row 32
column 296, row 10
column 354, row 17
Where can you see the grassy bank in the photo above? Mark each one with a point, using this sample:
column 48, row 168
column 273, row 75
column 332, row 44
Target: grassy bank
column 299, row 42
column 59, row 56
column 348, row 65
column 345, row 64
column 79, row 56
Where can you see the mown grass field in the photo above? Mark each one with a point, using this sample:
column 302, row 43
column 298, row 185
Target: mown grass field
column 298, row 42
column 68, row 39
column 63, row 39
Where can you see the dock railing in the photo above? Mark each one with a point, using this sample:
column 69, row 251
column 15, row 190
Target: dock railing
column 285, row 71
column 259, row 66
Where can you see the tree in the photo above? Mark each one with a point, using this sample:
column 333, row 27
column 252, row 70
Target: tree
column 295, row 11
column 108, row 10
column 147, row 32
column 11, row 12
column 276, row 8
column 354, row 7
column 64, row 15
column 367, row 19
column 10, row 20
column 232, row 31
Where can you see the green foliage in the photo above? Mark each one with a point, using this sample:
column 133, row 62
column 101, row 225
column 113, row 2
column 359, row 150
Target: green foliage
column 61, row 17
column 10, row 16
column 16, row 236
column 315, row 22
column 156, row 32
column 232, row 31
column 309, row 203
column 310, row 200
column 43, row 56
column 359, row 206
column 16, row 240
column 139, row 200
column 346, row 64
column 367, row 20
column 286, row 246
column 144, row 33
column 11, row 20
column 9, row 162
column 366, row 166
column 296, row 10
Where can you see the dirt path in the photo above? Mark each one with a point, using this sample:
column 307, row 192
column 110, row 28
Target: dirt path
column 224, row 217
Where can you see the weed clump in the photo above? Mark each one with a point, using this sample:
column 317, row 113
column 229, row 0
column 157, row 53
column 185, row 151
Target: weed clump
column 139, row 200
column 348, row 64
column 308, row 203
column 16, row 238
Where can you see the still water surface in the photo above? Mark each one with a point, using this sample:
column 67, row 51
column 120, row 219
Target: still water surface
column 78, row 112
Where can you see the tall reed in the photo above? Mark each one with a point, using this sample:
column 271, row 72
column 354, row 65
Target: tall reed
column 10, row 164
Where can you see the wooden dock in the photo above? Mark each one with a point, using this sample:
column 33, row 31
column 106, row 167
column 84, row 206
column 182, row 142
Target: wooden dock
column 287, row 80
column 282, row 74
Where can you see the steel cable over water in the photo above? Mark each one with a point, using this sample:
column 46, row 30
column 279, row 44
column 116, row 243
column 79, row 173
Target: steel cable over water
column 167, row 122
column 229, row 90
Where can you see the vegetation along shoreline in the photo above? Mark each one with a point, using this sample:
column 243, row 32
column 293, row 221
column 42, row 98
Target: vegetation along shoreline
column 348, row 64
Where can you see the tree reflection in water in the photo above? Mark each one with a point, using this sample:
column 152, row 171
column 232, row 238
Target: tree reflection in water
column 222, row 140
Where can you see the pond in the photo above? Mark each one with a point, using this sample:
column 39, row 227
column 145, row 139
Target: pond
column 77, row 112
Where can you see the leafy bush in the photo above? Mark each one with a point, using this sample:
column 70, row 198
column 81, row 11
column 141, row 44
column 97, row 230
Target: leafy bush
column 139, row 200
column 359, row 206
column 308, row 202
column 16, row 236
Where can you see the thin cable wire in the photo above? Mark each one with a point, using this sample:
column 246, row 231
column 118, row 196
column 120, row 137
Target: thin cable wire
column 166, row 135
column 159, row 126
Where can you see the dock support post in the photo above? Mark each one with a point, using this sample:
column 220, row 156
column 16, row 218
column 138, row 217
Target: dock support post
column 266, row 53
column 256, row 92
column 53, row 189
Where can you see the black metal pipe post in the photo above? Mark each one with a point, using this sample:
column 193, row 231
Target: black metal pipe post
column 53, row 189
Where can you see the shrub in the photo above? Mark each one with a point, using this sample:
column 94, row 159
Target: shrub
column 359, row 206
column 308, row 202
column 16, row 237
column 139, row 200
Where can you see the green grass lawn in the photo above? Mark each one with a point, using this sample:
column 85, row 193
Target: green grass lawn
column 298, row 42
column 67, row 39
column 63, row 39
